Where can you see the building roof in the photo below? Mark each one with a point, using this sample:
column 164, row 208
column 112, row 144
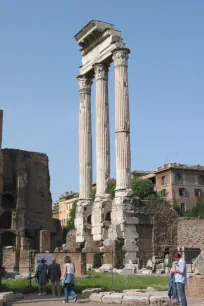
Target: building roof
column 180, row 167
column 141, row 172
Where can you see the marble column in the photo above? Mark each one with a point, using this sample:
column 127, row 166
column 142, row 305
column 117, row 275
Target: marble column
column 122, row 121
column 85, row 139
column 102, row 131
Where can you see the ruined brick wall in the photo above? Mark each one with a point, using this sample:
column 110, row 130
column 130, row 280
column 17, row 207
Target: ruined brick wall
column 164, row 226
column 191, row 233
column 26, row 179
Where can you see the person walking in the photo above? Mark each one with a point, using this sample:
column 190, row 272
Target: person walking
column 180, row 278
column 68, row 280
column 54, row 274
column 42, row 277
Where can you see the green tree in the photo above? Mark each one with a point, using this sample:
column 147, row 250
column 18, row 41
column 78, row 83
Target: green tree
column 177, row 208
column 112, row 186
column 70, row 222
column 144, row 189
column 197, row 210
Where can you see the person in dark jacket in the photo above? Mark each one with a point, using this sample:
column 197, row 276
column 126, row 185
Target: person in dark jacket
column 42, row 276
column 54, row 274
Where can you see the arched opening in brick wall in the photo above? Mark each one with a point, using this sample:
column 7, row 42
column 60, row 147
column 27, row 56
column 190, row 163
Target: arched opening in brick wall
column 5, row 220
column 108, row 216
column 8, row 201
column 8, row 239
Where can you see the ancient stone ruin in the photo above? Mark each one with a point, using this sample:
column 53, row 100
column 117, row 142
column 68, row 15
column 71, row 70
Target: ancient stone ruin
column 25, row 198
column 117, row 224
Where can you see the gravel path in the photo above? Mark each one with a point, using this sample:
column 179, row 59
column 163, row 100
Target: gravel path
column 34, row 300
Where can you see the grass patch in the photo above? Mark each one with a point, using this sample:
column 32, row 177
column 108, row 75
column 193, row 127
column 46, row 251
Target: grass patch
column 119, row 283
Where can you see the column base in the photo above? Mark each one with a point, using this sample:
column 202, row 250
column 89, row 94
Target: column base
column 100, row 217
column 80, row 223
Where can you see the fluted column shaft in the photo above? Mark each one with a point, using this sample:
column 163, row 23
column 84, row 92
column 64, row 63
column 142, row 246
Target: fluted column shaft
column 122, row 120
column 85, row 139
column 102, row 131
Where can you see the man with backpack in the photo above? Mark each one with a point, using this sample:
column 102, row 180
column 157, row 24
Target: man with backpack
column 42, row 276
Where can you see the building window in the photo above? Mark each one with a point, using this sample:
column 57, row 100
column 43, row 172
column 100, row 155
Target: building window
column 198, row 192
column 183, row 207
column 163, row 192
column 182, row 192
column 201, row 179
column 163, row 180
column 177, row 178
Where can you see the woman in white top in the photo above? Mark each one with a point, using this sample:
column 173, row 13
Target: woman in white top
column 68, row 279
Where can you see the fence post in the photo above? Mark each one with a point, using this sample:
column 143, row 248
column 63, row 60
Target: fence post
column 112, row 270
column 30, row 264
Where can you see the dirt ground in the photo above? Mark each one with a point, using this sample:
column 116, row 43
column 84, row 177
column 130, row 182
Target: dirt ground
column 31, row 300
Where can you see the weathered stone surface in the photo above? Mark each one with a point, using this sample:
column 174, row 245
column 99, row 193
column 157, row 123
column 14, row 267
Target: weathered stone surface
column 159, row 300
column 7, row 296
column 199, row 264
column 137, row 293
column 97, row 297
column 195, row 286
column 135, row 300
column 135, row 290
column 150, row 289
column 190, row 233
column 27, row 195
column 114, row 298
column 87, row 292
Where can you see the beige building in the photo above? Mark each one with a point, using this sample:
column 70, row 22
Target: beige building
column 179, row 183
column 65, row 206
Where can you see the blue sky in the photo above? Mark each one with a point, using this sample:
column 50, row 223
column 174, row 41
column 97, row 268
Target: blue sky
column 39, row 62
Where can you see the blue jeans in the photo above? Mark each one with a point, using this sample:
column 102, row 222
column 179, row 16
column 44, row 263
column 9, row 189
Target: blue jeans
column 68, row 290
column 181, row 293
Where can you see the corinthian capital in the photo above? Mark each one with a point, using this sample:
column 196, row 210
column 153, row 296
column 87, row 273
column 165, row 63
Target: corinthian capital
column 85, row 83
column 120, row 57
column 101, row 71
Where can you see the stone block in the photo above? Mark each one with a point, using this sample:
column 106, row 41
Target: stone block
column 159, row 300
column 7, row 296
column 146, row 272
column 97, row 297
column 149, row 264
column 150, row 289
column 1, row 301
column 87, row 292
column 137, row 293
column 134, row 290
column 130, row 271
column 199, row 263
column 136, row 300
column 114, row 298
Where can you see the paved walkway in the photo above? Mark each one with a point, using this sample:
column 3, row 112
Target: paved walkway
column 33, row 300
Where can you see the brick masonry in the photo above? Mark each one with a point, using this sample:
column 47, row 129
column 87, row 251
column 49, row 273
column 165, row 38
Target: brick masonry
column 190, row 233
column 195, row 287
